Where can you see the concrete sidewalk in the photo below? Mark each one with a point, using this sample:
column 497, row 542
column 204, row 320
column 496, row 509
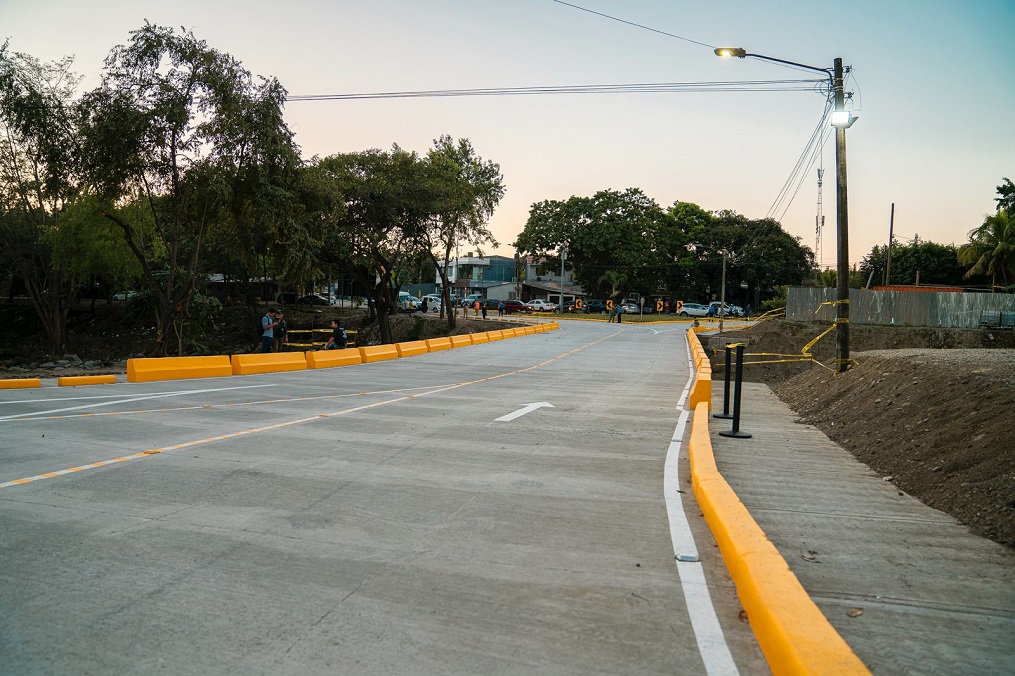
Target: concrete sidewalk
column 907, row 587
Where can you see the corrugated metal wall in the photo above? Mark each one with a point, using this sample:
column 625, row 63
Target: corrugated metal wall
column 907, row 308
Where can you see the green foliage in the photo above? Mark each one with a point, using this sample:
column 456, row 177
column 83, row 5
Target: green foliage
column 614, row 240
column 417, row 332
column 188, row 131
column 1006, row 196
column 935, row 264
column 991, row 250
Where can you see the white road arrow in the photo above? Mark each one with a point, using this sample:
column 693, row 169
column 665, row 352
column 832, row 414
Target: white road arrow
column 529, row 408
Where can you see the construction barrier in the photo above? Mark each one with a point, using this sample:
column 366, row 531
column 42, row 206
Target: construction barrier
column 19, row 383
column 374, row 353
column 794, row 635
column 73, row 381
column 495, row 335
column 411, row 348
column 268, row 362
column 326, row 359
column 176, row 368
column 461, row 341
column 701, row 390
column 478, row 338
column 438, row 344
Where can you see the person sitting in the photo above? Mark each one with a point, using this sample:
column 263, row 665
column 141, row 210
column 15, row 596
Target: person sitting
column 339, row 339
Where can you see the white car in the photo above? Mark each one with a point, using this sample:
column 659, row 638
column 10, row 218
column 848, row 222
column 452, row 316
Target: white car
column 540, row 305
column 692, row 310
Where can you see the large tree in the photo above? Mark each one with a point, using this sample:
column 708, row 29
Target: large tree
column 612, row 240
column 386, row 202
column 991, row 251
column 187, row 130
column 466, row 189
column 39, row 176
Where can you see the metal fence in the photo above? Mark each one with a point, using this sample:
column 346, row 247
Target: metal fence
column 905, row 308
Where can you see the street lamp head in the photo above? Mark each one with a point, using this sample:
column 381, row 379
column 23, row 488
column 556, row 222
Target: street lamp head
column 843, row 119
column 738, row 52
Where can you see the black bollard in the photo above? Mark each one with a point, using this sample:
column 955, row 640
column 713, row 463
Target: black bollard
column 726, row 388
column 735, row 432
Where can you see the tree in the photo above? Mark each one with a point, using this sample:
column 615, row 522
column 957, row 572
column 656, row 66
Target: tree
column 466, row 190
column 1006, row 196
column 991, row 251
column 386, row 202
column 611, row 232
column 760, row 256
column 928, row 262
column 39, row 177
column 188, row 131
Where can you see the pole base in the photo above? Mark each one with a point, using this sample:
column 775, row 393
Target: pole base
column 723, row 416
column 736, row 434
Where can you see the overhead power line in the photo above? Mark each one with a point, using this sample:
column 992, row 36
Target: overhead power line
column 636, row 25
column 633, row 88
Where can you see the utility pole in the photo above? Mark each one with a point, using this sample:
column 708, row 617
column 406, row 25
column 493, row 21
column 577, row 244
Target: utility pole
column 888, row 253
column 842, row 230
column 722, row 292
column 819, row 221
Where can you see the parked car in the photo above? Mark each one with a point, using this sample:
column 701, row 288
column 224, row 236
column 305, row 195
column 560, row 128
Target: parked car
column 731, row 310
column 407, row 302
column 629, row 309
column 124, row 295
column 595, row 306
column 515, row 306
column 313, row 299
column 471, row 299
column 540, row 305
column 693, row 310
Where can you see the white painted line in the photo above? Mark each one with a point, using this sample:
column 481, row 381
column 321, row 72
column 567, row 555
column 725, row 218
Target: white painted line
column 528, row 408
column 125, row 400
column 715, row 652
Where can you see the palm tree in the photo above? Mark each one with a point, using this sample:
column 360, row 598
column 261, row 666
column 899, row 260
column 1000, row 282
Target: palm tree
column 991, row 250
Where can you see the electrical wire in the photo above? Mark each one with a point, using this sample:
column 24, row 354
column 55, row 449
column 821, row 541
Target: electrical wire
column 631, row 88
column 802, row 166
column 631, row 23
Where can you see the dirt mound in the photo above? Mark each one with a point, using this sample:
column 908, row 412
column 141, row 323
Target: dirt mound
column 928, row 409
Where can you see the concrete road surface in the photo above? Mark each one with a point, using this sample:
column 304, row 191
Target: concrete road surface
column 396, row 517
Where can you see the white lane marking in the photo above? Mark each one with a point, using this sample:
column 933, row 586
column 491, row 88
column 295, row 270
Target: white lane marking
column 115, row 396
column 126, row 400
column 715, row 652
column 528, row 408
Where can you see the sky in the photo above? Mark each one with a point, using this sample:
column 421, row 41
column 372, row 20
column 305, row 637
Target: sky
column 932, row 81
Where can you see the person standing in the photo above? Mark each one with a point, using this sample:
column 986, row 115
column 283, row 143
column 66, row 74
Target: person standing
column 482, row 304
column 280, row 332
column 268, row 325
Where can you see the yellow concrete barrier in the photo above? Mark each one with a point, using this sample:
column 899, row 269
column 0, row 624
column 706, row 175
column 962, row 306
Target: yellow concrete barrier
column 461, row 341
column 794, row 635
column 326, row 359
column 177, row 368
column 495, row 335
column 478, row 338
column 438, row 344
column 268, row 362
column 73, row 381
column 19, row 383
column 520, row 331
column 411, row 348
column 529, row 330
column 373, row 353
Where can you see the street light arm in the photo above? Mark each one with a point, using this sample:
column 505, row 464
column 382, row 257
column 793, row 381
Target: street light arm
column 741, row 53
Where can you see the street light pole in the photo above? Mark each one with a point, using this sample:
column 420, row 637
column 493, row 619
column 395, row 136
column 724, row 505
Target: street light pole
column 841, row 120
column 842, row 231
column 563, row 257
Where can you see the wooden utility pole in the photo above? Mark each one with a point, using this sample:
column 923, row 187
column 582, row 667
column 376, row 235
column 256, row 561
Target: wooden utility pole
column 888, row 255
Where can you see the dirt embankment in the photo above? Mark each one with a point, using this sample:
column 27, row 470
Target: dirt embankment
column 930, row 410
